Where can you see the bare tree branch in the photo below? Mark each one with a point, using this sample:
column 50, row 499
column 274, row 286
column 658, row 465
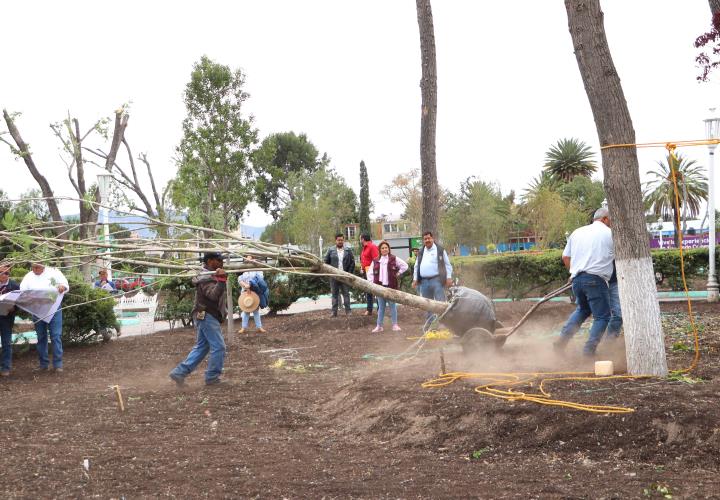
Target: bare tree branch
column 159, row 202
column 70, row 176
column 24, row 153
column 121, row 121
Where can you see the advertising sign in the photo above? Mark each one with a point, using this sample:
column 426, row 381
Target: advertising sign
column 689, row 241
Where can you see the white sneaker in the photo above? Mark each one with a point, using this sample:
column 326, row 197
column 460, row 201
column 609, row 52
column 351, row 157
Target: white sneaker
column 377, row 329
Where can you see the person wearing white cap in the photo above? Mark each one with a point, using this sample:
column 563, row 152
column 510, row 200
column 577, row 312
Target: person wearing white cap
column 42, row 277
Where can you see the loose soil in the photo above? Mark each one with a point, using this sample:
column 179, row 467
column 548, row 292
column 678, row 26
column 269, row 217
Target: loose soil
column 344, row 418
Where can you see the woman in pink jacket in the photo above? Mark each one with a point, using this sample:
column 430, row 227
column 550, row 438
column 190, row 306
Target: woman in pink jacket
column 385, row 271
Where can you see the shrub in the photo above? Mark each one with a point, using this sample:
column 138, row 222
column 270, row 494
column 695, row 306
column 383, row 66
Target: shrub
column 668, row 270
column 84, row 315
column 287, row 289
column 178, row 300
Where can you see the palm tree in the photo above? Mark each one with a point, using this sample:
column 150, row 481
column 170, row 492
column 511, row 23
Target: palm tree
column 537, row 184
column 659, row 192
column 569, row 158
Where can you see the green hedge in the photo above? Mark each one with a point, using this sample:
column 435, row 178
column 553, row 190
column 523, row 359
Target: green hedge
column 513, row 275
column 668, row 272
column 518, row 275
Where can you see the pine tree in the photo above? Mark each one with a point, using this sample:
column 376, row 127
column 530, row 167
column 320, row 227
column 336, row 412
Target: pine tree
column 364, row 200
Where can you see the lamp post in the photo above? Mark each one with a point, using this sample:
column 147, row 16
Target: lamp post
column 104, row 185
column 660, row 230
column 712, row 132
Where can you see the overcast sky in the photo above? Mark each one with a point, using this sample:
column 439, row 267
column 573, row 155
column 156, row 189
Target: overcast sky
column 347, row 74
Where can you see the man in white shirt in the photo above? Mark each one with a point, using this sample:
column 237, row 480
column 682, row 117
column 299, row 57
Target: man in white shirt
column 589, row 256
column 42, row 277
column 433, row 271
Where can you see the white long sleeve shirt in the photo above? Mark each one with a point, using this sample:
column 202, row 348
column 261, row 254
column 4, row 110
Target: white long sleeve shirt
column 384, row 278
column 49, row 278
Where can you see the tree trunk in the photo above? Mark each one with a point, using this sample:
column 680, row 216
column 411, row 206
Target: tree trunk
column 85, row 210
column 397, row 296
column 230, row 332
column 47, row 192
column 645, row 348
column 428, row 120
column 676, row 236
column 714, row 6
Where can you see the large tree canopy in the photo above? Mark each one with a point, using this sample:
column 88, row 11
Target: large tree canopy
column 322, row 203
column 214, row 181
column 479, row 215
column 279, row 156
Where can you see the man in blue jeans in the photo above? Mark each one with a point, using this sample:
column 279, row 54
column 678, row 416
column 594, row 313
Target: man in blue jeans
column 208, row 313
column 616, row 321
column 433, row 271
column 43, row 277
column 589, row 256
column 6, row 322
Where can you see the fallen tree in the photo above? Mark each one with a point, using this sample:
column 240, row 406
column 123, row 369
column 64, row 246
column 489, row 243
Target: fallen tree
column 186, row 246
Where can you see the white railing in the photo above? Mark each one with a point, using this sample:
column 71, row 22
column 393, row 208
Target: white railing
column 143, row 304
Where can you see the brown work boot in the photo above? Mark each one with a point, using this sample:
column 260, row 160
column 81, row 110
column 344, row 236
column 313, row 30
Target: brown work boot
column 241, row 330
column 261, row 330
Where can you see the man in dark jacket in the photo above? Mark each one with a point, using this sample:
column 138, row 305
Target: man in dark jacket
column 208, row 313
column 6, row 322
column 342, row 258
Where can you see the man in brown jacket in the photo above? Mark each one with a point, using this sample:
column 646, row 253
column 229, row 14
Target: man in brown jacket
column 208, row 313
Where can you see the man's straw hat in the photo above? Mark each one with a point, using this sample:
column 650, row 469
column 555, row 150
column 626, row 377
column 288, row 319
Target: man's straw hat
column 248, row 301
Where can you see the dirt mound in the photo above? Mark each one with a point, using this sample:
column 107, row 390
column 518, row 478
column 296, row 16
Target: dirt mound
column 343, row 415
column 389, row 407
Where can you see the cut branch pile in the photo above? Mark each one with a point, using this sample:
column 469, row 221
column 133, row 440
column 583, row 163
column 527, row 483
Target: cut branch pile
column 176, row 255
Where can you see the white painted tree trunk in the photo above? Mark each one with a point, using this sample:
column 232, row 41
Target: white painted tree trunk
column 645, row 348
column 644, row 339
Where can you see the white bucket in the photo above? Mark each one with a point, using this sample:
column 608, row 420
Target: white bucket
column 603, row 368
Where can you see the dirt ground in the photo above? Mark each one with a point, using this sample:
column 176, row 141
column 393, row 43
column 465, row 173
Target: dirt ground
column 345, row 417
